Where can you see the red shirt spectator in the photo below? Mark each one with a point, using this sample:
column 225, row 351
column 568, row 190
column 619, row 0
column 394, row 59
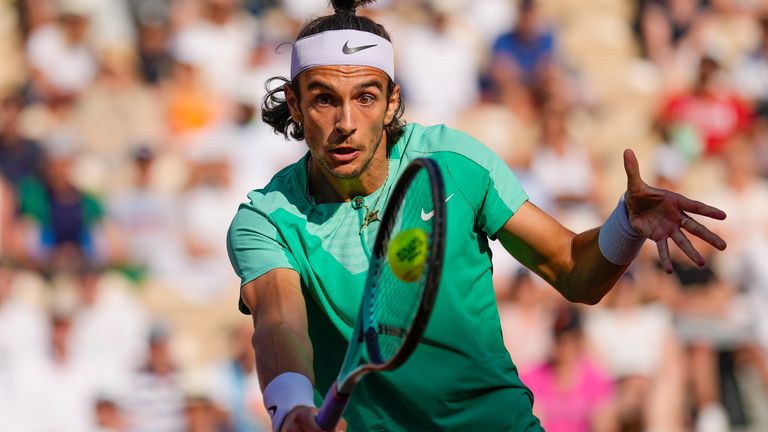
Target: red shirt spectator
column 717, row 113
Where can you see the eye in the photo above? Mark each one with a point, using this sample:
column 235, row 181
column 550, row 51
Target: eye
column 323, row 99
column 367, row 99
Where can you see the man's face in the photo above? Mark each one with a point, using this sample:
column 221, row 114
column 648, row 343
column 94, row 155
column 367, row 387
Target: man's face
column 343, row 110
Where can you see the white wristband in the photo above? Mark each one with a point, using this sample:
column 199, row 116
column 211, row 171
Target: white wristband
column 285, row 392
column 618, row 241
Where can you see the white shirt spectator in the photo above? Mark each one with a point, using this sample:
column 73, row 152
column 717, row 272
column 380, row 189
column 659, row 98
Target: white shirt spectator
column 22, row 334
column 630, row 342
column 70, row 68
column 220, row 50
column 549, row 168
column 114, row 316
column 155, row 403
column 22, row 343
column 439, row 74
column 750, row 77
column 150, row 218
column 58, row 396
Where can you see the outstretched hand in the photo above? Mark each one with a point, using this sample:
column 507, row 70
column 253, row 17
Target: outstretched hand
column 659, row 214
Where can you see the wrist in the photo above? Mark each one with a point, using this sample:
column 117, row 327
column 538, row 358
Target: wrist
column 286, row 392
column 618, row 241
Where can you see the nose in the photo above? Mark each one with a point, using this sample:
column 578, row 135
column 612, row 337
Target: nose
column 345, row 123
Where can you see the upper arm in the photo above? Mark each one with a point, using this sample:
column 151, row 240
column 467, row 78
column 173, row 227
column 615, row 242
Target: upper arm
column 538, row 241
column 255, row 247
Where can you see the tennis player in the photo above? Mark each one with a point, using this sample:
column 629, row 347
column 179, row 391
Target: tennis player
column 301, row 246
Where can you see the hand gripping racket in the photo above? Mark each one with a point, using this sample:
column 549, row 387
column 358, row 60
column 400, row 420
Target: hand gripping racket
column 394, row 311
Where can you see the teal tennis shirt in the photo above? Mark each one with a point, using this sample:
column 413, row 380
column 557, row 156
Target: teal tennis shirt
column 460, row 377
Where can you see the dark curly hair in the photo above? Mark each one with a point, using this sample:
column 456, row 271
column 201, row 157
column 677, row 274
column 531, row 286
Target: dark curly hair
column 274, row 109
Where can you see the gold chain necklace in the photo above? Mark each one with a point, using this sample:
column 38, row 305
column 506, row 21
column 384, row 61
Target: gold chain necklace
column 371, row 215
column 358, row 202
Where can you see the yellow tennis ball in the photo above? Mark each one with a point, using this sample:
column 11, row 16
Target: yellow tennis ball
column 407, row 254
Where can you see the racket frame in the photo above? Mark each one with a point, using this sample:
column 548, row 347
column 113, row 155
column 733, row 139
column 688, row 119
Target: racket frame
column 338, row 395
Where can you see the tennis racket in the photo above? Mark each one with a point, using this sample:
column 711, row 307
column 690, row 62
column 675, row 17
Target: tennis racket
column 394, row 312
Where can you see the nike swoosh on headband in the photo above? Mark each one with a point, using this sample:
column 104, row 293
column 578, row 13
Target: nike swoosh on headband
column 347, row 50
column 427, row 216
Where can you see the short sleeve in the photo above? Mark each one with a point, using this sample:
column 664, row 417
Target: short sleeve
column 503, row 197
column 254, row 246
column 484, row 179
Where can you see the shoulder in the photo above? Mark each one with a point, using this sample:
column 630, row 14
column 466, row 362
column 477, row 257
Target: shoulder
column 451, row 146
column 283, row 194
column 503, row 41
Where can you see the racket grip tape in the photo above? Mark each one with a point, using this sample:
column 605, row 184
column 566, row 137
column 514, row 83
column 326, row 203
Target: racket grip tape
column 332, row 409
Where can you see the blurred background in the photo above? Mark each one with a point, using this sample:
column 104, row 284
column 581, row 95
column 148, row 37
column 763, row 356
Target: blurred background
column 130, row 131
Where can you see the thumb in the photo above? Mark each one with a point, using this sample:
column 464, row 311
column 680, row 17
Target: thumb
column 632, row 168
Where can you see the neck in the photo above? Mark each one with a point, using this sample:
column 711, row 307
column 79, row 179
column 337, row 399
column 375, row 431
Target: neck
column 325, row 187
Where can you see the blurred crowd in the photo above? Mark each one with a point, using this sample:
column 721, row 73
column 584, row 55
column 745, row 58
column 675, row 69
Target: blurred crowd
column 130, row 131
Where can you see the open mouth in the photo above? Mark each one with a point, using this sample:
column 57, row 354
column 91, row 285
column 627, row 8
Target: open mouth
column 344, row 154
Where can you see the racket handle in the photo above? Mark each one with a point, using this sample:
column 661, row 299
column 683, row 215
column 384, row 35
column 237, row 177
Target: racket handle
column 332, row 409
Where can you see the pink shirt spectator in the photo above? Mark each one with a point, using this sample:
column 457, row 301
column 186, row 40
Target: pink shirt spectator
column 568, row 409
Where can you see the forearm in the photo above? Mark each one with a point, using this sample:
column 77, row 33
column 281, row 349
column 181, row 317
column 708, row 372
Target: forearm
column 591, row 275
column 280, row 348
column 572, row 263
column 281, row 342
column 280, row 329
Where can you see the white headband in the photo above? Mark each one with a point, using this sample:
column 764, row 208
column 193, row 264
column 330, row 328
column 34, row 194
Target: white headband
column 343, row 47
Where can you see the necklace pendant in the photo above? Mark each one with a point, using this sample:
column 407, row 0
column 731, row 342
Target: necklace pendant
column 370, row 217
column 373, row 216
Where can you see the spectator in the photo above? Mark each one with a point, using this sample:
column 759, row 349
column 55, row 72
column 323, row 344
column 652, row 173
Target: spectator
column 236, row 386
column 559, row 155
column 155, row 402
column 438, row 70
column 64, row 221
column 155, row 60
column 61, row 387
column 669, row 29
column 188, row 99
column 8, row 238
column 202, row 415
column 741, row 188
column 115, row 111
column 526, row 314
column 527, row 48
column 109, row 416
column 750, row 76
column 23, row 342
column 61, row 61
column 221, row 43
column 203, row 222
column 572, row 393
column 635, row 339
column 716, row 112
column 106, row 314
column 20, row 157
column 151, row 217
column 518, row 58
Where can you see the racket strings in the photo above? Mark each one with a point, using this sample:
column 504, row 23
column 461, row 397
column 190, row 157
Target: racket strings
column 395, row 302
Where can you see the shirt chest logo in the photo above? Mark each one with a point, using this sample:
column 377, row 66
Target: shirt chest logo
column 426, row 216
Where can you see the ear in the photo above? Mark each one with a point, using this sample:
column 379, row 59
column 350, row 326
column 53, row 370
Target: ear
column 293, row 103
column 394, row 98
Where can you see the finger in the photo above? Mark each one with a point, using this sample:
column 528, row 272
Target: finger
column 702, row 232
column 685, row 245
column 698, row 207
column 632, row 168
column 666, row 262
